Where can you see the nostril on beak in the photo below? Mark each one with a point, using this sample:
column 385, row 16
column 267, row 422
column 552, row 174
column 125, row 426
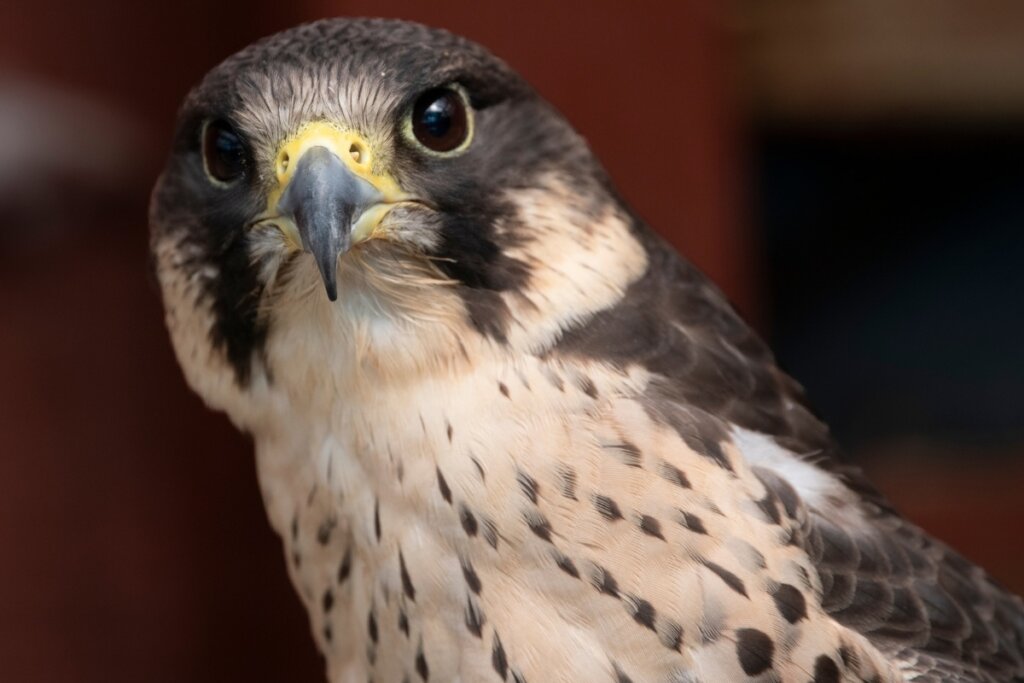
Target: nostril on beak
column 356, row 152
column 282, row 164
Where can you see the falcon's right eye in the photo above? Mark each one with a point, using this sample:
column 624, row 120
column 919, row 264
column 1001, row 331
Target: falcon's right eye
column 224, row 154
column 440, row 120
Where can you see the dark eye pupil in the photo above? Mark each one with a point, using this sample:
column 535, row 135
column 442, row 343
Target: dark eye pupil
column 223, row 152
column 439, row 120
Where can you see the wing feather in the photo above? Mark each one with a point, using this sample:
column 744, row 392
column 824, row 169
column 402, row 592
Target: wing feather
column 918, row 601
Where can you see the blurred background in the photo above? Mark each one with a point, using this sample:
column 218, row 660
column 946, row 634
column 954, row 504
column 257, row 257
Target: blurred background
column 851, row 172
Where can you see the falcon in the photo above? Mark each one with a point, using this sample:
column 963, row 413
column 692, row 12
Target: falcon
column 504, row 431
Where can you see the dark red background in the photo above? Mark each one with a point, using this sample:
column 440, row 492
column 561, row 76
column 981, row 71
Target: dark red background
column 134, row 545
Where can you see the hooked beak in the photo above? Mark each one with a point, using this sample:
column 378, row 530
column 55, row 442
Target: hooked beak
column 328, row 195
column 323, row 199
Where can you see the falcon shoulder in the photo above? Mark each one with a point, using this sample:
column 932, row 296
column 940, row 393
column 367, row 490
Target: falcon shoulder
column 937, row 616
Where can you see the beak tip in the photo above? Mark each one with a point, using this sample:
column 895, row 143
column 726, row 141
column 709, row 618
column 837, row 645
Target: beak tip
column 330, row 284
column 327, row 264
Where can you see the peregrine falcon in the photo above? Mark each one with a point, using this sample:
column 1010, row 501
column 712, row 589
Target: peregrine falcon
column 505, row 432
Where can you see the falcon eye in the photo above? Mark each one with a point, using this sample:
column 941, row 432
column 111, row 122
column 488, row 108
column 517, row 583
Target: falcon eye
column 440, row 121
column 223, row 152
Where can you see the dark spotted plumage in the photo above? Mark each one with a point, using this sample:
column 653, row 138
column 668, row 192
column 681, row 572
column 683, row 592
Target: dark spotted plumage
column 731, row 580
column 421, row 665
column 539, row 525
column 641, row 610
column 498, row 658
column 371, row 627
column 790, row 603
column 650, row 526
column 674, row 475
column 605, row 582
column 403, row 622
column 529, row 486
column 407, row 586
column 442, row 486
column 755, row 650
column 626, row 452
column 468, row 519
column 323, row 532
column 608, row 508
column 474, row 618
column 906, row 591
column 472, row 579
column 671, row 634
column 346, row 566
column 608, row 469
column 692, row 522
column 825, row 670
column 568, row 482
column 895, row 584
column 490, row 533
column 566, row 564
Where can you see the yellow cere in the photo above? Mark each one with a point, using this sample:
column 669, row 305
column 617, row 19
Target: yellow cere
column 354, row 152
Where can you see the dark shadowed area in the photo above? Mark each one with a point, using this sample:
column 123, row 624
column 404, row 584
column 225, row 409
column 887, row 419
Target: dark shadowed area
column 851, row 177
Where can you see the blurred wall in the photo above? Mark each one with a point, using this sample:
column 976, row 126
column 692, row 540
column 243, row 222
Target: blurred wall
column 885, row 143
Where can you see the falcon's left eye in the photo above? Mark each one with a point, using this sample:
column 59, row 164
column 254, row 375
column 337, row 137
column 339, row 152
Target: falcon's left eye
column 440, row 120
column 224, row 154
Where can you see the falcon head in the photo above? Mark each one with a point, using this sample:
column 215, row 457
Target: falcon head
column 379, row 192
